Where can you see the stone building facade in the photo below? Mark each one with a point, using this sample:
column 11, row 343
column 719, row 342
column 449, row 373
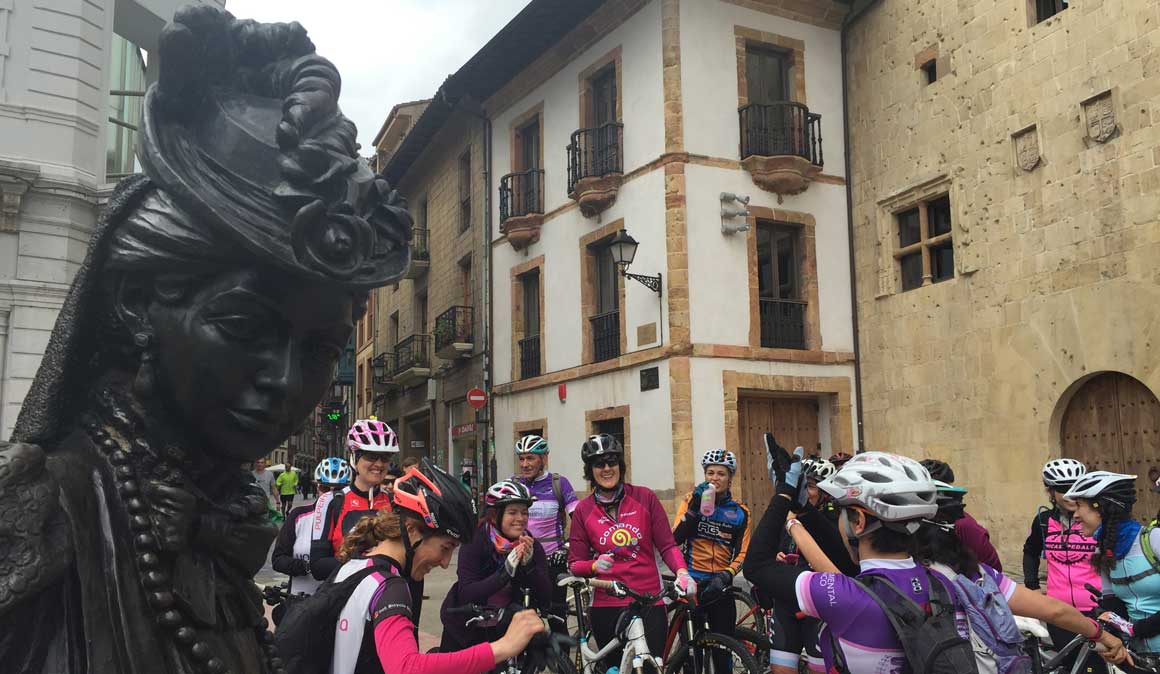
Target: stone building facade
column 1006, row 192
column 429, row 330
column 630, row 116
column 65, row 68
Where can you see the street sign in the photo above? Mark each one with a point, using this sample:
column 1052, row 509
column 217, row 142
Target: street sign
column 476, row 398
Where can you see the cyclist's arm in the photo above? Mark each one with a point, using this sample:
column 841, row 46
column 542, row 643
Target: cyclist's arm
column 475, row 586
column 829, row 539
column 1031, row 604
column 811, row 551
column 975, row 536
column 743, row 549
column 398, row 652
column 580, row 562
column 682, row 528
column 282, row 558
column 1032, row 552
column 322, row 559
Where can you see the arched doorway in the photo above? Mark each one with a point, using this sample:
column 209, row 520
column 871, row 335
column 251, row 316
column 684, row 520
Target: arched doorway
column 1113, row 423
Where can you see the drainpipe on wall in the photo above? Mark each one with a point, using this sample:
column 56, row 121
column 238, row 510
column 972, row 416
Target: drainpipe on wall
column 856, row 12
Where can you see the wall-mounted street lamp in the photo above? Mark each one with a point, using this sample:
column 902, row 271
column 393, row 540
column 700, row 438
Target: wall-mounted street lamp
column 623, row 248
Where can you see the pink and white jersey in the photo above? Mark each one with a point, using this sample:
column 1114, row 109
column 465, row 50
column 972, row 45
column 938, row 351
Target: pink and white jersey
column 1069, row 554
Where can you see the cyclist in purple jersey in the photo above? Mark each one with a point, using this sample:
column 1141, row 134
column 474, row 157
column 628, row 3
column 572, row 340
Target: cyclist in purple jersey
column 555, row 498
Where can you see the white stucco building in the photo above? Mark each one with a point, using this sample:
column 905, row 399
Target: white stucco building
column 637, row 117
column 66, row 67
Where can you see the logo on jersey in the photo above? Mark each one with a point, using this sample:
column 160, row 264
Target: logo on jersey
column 622, row 538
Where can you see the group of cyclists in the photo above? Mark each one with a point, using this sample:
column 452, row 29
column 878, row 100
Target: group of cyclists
column 867, row 563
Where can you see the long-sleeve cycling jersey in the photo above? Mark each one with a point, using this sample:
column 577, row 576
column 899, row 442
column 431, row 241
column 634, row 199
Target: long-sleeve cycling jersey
column 343, row 511
column 1068, row 554
column 715, row 543
column 291, row 554
column 976, row 538
column 632, row 533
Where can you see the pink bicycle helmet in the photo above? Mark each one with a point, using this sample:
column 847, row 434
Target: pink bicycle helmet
column 371, row 435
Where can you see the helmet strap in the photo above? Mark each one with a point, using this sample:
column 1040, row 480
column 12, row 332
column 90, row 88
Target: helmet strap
column 409, row 547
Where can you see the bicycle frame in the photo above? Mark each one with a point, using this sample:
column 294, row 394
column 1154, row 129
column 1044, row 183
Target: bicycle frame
column 635, row 650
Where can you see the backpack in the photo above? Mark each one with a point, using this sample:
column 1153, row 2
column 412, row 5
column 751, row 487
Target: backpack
column 305, row 637
column 993, row 628
column 930, row 638
column 1146, row 545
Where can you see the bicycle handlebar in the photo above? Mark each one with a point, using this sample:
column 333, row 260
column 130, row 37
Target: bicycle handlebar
column 617, row 588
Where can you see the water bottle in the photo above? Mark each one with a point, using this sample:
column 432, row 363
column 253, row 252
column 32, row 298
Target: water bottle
column 708, row 500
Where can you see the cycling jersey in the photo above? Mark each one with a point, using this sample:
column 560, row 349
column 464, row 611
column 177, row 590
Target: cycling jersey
column 347, row 508
column 638, row 531
column 714, row 543
column 545, row 521
column 1068, row 553
column 291, row 554
column 1136, row 583
column 868, row 642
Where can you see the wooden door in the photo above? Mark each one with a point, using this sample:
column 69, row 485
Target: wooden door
column 793, row 422
column 1113, row 423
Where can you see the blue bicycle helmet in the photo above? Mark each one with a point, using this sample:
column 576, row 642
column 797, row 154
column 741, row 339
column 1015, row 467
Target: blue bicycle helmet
column 333, row 471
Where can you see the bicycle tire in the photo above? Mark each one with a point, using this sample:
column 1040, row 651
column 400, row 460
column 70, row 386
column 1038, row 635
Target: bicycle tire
column 751, row 616
column 709, row 642
column 757, row 644
column 558, row 664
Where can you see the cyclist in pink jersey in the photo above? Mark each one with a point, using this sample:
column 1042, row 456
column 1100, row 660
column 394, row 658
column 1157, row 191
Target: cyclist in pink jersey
column 616, row 532
column 1057, row 535
column 432, row 513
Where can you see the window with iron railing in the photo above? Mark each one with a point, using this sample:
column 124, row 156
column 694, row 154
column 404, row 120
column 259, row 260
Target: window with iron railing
column 413, row 352
column 453, row 326
column 521, row 194
column 530, row 357
column 529, row 344
column 595, row 152
column 780, row 129
column 781, row 311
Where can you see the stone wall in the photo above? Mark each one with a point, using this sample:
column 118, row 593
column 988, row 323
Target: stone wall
column 1054, row 227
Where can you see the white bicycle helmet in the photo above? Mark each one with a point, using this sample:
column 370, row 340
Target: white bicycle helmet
column 371, row 435
column 820, row 469
column 894, row 489
column 531, row 444
column 720, row 457
column 1103, row 485
column 507, row 491
column 1062, row 473
column 333, row 471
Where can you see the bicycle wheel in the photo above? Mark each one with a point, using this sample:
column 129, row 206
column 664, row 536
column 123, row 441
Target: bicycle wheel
column 749, row 614
column 756, row 643
column 698, row 658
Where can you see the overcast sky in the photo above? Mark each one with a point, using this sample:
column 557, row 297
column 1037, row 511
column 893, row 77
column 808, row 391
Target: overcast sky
column 388, row 51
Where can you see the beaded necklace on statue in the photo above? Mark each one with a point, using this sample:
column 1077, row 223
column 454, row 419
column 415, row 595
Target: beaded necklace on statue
column 155, row 573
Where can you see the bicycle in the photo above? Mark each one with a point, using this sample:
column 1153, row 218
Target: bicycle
column 696, row 645
column 630, row 627
column 752, row 627
column 546, row 652
column 1043, row 662
column 280, row 599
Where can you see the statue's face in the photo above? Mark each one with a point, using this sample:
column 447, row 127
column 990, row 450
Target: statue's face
column 246, row 356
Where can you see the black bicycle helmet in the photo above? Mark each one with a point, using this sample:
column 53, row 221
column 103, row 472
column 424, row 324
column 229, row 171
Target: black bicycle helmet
column 939, row 470
column 601, row 444
column 441, row 502
column 950, row 501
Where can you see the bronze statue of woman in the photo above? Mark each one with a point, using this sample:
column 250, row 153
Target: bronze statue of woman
column 219, row 291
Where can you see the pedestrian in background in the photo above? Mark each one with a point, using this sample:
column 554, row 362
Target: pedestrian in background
column 287, row 484
column 265, row 479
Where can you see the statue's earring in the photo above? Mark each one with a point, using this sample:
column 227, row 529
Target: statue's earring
column 143, row 383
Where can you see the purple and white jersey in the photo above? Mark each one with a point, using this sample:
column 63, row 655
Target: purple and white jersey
column 544, row 515
column 868, row 642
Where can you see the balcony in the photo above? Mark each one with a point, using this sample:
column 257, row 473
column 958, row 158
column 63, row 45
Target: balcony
column 530, row 357
column 412, row 361
column 783, row 324
column 420, row 253
column 453, row 333
column 596, row 167
column 521, row 207
column 605, row 336
column 781, row 146
column 383, row 368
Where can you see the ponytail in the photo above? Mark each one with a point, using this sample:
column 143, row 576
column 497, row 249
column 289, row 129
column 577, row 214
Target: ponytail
column 369, row 532
column 1105, row 556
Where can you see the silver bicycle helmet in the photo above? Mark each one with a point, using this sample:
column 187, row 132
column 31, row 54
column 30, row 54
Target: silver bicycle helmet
column 895, row 489
column 1062, row 473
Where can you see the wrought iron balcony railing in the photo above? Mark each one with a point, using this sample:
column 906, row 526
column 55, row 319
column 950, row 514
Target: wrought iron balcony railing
column 783, row 323
column 530, row 357
column 419, row 250
column 521, row 194
column 605, row 336
column 454, row 326
column 780, row 129
column 412, row 352
column 595, row 152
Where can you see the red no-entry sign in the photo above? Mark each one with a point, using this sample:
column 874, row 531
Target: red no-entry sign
column 476, row 398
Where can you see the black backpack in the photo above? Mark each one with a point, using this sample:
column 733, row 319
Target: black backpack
column 305, row 636
column 930, row 640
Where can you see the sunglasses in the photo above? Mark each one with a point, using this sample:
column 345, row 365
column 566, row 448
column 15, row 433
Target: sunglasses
column 372, row 457
column 605, row 462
